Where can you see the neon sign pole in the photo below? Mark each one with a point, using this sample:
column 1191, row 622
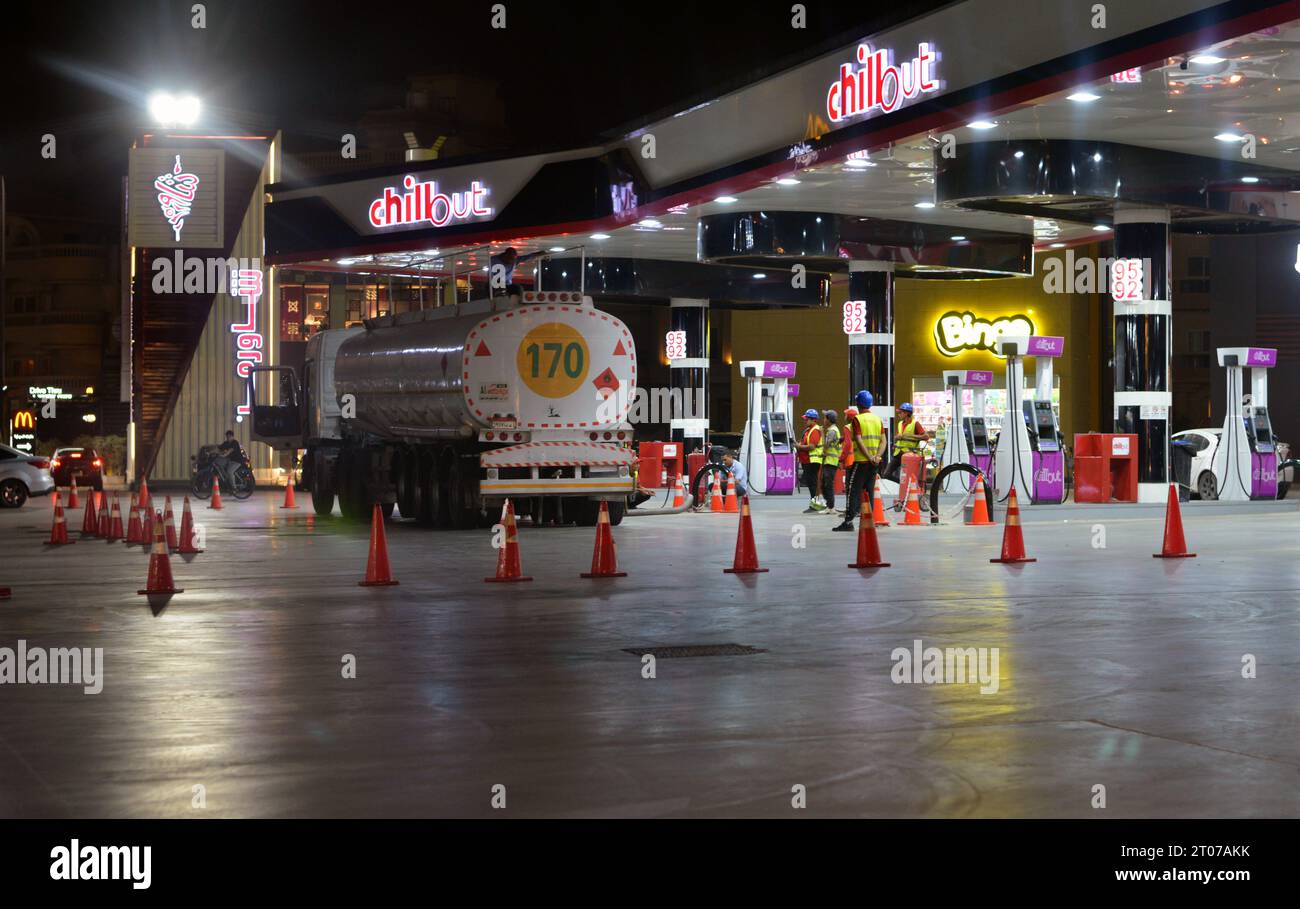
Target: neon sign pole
column 246, row 283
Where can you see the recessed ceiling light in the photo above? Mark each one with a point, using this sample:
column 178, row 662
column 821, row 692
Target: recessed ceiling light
column 759, row 274
column 1205, row 60
column 649, row 222
column 725, row 200
column 1020, row 154
column 557, row 249
column 787, row 181
column 981, row 124
column 1101, row 228
column 1056, row 245
column 1096, row 157
column 1228, row 137
column 859, row 162
column 1083, row 97
column 1250, row 179
column 924, row 205
column 957, row 239
column 600, row 236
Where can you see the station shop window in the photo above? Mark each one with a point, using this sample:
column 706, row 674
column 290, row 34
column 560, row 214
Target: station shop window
column 932, row 403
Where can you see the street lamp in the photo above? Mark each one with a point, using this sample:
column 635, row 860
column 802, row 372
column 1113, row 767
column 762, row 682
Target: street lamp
column 174, row 110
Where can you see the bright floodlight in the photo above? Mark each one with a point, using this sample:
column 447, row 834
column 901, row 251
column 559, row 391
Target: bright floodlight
column 173, row 110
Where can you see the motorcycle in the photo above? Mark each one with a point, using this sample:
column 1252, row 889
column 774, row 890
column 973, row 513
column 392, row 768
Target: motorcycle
column 234, row 475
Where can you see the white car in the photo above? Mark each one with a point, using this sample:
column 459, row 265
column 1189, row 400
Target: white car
column 22, row 475
column 1203, row 443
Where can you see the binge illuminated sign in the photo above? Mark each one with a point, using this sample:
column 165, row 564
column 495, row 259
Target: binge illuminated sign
column 878, row 84
column 424, row 202
column 246, row 284
column 955, row 332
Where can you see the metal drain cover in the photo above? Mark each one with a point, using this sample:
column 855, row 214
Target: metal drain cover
column 694, row 650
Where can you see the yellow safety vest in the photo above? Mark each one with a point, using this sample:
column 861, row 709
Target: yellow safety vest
column 906, row 425
column 831, row 445
column 870, row 430
column 814, row 453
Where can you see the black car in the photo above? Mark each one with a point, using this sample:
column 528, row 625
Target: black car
column 83, row 463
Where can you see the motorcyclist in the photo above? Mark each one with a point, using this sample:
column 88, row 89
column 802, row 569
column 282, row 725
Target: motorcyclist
column 229, row 453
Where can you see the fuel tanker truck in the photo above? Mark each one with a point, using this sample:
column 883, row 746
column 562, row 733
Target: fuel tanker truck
column 447, row 412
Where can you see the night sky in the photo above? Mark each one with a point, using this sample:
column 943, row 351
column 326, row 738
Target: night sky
column 568, row 71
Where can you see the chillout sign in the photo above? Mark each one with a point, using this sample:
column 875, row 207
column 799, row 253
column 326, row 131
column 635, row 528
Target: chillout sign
column 876, row 83
column 425, row 202
column 955, row 332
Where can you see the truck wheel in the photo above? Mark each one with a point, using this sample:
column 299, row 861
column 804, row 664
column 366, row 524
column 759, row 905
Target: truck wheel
column 430, row 507
column 406, row 477
column 616, row 511
column 350, row 487
column 460, row 504
column 322, row 493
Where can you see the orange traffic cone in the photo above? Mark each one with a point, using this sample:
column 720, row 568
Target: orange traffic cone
column 715, row 501
column 160, row 567
column 604, row 558
column 288, row 495
column 215, row 504
column 90, row 519
column 679, row 494
column 912, row 513
column 377, row 572
column 72, row 495
column 1013, row 541
column 868, row 545
column 980, row 516
column 186, row 540
column 731, row 506
column 878, row 508
column 169, row 524
column 746, row 558
column 145, row 502
column 115, row 523
column 133, row 527
column 104, row 518
column 59, row 530
column 1175, row 547
column 508, row 566
column 146, row 526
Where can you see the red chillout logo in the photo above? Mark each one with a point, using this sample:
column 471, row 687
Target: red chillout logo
column 176, row 192
column 878, row 84
column 423, row 202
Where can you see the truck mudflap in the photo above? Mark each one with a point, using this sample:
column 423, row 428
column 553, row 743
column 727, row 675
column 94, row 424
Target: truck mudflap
column 557, row 468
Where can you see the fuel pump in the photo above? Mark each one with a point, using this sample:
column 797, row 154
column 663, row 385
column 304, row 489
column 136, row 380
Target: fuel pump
column 766, row 449
column 1245, row 461
column 967, row 440
column 1029, row 452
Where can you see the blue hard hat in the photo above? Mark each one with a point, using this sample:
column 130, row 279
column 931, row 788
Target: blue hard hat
column 864, row 399
column 905, row 407
column 811, row 413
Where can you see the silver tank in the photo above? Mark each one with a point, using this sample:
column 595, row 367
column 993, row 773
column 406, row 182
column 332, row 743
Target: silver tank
column 405, row 373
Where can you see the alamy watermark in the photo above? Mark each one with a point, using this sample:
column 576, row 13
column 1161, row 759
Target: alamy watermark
column 948, row 665
column 25, row 665
column 181, row 274
column 654, row 405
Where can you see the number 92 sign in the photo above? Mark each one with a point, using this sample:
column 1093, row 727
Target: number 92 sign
column 1126, row 280
column 855, row 317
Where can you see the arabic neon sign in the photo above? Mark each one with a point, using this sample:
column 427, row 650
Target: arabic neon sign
column 176, row 192
column 246, row 284
column 876, row 83
column 423, row 202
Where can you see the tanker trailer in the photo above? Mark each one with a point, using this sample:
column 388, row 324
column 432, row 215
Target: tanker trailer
column 447, row 412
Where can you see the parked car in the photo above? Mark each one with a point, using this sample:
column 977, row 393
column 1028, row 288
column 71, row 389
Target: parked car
column 22, row 475
column 83, row 463
column 1203, row 443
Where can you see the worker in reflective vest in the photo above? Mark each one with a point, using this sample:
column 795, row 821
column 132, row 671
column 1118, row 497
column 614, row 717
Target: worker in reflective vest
column 907, row 437
column 831, row 448
column 868, row 441
column 810, row 458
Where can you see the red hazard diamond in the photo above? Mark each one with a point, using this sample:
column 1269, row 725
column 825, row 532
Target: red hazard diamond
column 606, row 382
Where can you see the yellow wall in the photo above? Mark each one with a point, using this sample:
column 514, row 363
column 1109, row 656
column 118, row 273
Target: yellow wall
column 816, row 341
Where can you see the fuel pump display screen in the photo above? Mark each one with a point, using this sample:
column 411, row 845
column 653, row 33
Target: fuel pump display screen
column 1262, row 430
column 977, row 436
column 1045, row 426
column 776, row 434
